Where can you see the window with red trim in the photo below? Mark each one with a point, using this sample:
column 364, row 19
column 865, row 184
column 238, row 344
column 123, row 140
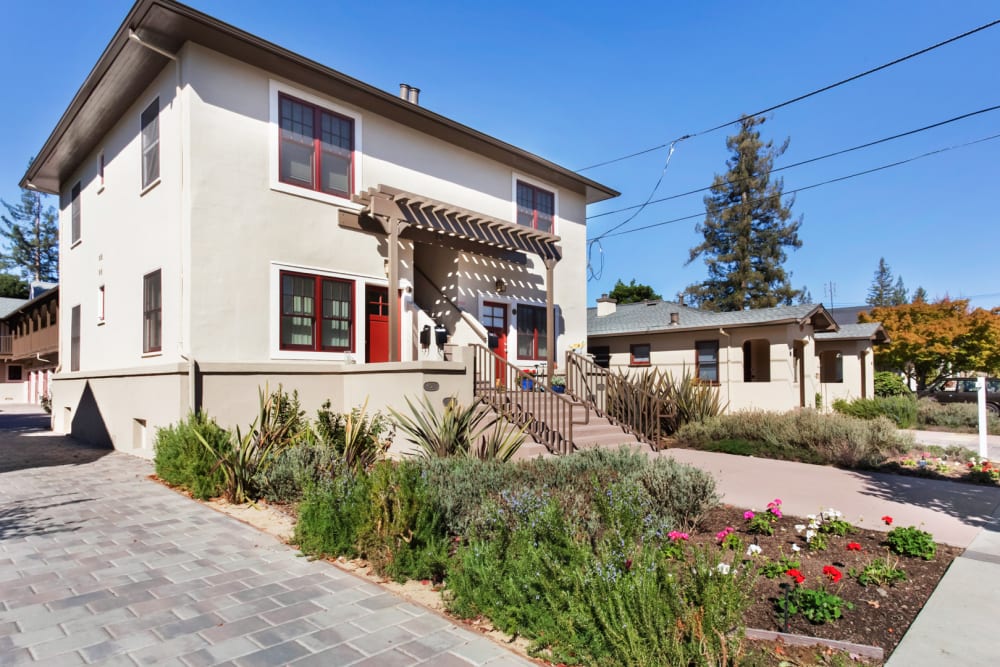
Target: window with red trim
column 531, row 332
column 639, row 353
column 316, row 148
column 536, row 208
column 317, row 313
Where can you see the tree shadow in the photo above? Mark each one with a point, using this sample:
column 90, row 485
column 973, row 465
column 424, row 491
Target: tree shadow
column 972, row 504
column 28, row 519
column 25, row 442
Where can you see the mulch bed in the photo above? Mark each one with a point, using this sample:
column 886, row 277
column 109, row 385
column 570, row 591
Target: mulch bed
column 881, row 614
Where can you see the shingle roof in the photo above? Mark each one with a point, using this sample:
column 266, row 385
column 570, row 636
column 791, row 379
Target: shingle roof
column 9, row 305
column 868, row 330
column 655, row 316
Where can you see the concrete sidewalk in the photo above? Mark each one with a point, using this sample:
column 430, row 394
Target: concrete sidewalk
column 99, row 565
column 969, row 441
column 957, row 624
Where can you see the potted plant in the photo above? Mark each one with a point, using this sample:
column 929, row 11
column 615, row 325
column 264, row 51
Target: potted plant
column 559, row 384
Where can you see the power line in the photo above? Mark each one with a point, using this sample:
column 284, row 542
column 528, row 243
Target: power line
column 800, row 97
column 810, row 187
column 810, row 160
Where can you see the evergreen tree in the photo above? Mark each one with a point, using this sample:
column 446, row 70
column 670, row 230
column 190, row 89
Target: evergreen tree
column 805, row 296
column 920, row 295
column 900, row 295
column 31, row 230
column 13, row 287
column 633, row 293
column 746, row 230
column 885, row 292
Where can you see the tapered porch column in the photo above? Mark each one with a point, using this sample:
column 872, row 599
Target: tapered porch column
column 395, row 311
column 550, row 319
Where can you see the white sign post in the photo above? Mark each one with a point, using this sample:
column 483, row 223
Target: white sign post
column 981, row 387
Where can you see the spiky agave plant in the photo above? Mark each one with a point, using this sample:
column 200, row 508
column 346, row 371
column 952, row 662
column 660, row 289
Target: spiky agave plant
column 458, row 430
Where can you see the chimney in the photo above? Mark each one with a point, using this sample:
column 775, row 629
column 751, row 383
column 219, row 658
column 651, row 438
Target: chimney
column 680, row 299
column 404, row 91
column 606, row 306
column 414, row 96
column 675, row 319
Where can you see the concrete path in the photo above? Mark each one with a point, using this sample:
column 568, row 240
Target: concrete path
column 100, row 565
column 969, row 441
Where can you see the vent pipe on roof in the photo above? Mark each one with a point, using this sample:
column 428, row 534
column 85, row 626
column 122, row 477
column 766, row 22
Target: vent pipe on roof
column 675, row 319
column 404, row 91
column 414, row 96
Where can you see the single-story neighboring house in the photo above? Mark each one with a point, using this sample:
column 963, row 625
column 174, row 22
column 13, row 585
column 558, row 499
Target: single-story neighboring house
column 769, row 358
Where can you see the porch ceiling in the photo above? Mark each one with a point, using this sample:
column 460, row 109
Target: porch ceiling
column 432, row 215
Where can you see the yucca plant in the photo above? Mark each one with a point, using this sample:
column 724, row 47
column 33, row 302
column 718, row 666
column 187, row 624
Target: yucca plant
column 458, row 430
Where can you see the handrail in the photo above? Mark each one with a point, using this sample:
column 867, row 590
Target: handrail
column 524, row 400
column 615, row 398
column 473, row 323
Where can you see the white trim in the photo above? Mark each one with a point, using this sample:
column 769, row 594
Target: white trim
column 274, row 319
column 548, row 187
column 275, row 87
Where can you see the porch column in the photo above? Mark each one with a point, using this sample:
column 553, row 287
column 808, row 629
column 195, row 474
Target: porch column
column 550, row 320
column 395, row 314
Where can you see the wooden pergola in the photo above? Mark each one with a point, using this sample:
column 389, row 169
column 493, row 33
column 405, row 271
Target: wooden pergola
column 396, row 212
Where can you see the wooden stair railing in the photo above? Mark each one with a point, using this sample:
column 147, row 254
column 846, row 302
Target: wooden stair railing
column 524, row 400
column 613, row 397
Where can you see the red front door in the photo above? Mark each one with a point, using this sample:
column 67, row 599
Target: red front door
column 376, row 324
column 494, row 318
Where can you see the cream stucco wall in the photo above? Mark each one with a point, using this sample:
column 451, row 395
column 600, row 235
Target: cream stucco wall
column 855, row 354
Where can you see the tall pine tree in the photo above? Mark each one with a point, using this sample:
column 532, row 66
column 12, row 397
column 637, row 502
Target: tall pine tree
column 747, row 229
column 883, row 291
column 31, row 230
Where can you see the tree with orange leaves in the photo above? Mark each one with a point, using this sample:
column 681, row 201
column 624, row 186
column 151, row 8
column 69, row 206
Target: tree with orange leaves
column 933, row 339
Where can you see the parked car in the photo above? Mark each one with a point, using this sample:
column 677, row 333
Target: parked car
column 964, row 390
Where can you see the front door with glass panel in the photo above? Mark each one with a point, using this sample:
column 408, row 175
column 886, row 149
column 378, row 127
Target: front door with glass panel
column 494, row 318
column 376, row 324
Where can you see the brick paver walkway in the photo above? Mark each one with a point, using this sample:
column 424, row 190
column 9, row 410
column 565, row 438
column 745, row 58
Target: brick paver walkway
column 100, row 565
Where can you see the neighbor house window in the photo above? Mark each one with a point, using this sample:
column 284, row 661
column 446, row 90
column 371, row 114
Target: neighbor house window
column 536, row 208
column 74, row 208
column 14, row 374
column 74, row 339
column 831, row 366
column 150, row 123
column 757, row 361
column 316, row 147
column 317, row 313
column 601, row 354
column 707, row 360
column 639, row 354
column 531, row 332
column 152, row 312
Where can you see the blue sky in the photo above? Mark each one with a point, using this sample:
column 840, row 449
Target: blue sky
column 583, row 82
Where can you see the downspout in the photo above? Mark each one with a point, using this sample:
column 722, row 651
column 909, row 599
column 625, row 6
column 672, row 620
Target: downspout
column 193, row 397
column 729, row 352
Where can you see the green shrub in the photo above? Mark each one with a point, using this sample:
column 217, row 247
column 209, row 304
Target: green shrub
column 181, row 460
column 817, row 604
column 359, row 439
column 828, row 438
column 888, row 383
column 683, row 493
column 963, row 417
column 912, row 542
column 902, row 410
column 296, row 467
column 331, row 515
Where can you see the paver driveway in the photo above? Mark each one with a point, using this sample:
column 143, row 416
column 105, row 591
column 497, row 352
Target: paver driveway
column 100, row 565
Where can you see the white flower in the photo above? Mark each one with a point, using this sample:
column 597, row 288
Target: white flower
column 810, row 534
column 799, row 527
column 813, row 525
column 796, row 548
column 811, row 517
column 723, row 568
column 753, row 550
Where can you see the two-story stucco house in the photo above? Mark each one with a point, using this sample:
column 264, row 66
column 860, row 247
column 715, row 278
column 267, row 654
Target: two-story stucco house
column 767, row 358
column 234, row 214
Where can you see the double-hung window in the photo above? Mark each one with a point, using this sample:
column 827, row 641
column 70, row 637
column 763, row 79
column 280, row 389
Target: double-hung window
column 316, row 148
column 74, row 207
column 152, row 312
column 317, row 313
column 536, row 208
column 707, row 360
column 531, row 332
column 150, row 130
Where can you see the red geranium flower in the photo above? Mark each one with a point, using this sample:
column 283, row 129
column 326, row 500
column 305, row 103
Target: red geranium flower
column 796, row 575
column 832, row 572
column 853, row 546
column 887, row 519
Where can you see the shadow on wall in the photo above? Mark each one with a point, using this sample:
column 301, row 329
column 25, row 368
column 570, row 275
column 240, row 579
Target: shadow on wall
column 88, row 423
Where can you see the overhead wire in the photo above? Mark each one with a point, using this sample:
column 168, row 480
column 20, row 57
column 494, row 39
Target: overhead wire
column 803, row 162
column 814, row 185
column 804, row 96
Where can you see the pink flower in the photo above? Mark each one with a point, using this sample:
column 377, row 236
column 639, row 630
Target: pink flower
column 748, row 515
column 721, row 535
column 677, row 535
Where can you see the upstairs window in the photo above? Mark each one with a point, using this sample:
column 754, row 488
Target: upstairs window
column 707, row 361
column 150, row 124
column 152, row 312
column 74, row 208
column 536, row 208
column 316, row 148
column 531, row 332
column 317, row 313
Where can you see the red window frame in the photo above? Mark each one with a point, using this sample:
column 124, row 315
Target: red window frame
column 632, row 357
column 537, row 333
column 530, row 203
column 317, row 314
column 317, row 147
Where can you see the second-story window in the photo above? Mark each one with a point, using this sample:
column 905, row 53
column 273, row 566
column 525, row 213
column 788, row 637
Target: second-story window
column 536, row 208
column 150, row 122
column 316, row 148
column 74, row 207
